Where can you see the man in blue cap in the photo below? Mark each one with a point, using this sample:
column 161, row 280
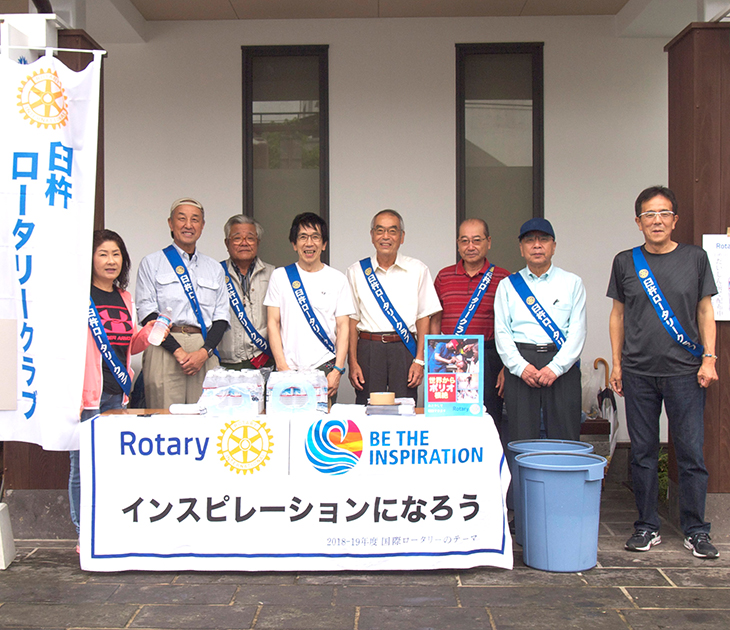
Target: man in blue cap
column 540, row 330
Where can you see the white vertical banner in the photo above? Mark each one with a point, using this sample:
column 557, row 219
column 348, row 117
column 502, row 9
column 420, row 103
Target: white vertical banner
column 49, row 116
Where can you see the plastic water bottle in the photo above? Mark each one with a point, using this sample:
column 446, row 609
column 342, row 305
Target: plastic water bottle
column 161, row 324
column 211, row 380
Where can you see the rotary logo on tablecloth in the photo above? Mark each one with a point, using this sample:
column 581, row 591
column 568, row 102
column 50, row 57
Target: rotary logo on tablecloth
column 245, row 445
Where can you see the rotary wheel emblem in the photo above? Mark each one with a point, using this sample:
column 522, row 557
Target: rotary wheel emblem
column 643, row 273
column 296, row 284
column 530, row 301
column 245, row 445
column 42, row 100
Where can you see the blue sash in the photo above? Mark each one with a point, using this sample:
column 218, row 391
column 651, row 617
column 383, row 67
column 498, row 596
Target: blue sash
column 471, row 307
column 661, row 306
column 240, row 312
column 118, row 370
column 301, row 295
column 536, row 309
column 384, row 302
column 184, row 277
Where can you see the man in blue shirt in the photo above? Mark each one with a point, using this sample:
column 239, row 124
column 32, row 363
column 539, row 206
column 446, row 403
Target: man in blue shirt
column 443, row 355
column 540, row 331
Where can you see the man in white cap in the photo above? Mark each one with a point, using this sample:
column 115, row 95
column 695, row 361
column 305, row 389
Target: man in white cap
column 193, row 286
column 540, row 330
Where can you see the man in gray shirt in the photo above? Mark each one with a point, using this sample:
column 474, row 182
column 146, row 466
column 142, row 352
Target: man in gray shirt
column 192, row 286
column 662, row 329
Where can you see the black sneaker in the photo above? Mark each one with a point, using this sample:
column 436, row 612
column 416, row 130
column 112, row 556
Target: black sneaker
column 701, row 546
column 643, row 540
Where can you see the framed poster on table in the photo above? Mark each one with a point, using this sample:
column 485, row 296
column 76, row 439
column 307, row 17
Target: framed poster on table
column 454, row 375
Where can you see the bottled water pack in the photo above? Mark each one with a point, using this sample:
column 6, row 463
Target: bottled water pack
column 296, row 390
column 232, row 391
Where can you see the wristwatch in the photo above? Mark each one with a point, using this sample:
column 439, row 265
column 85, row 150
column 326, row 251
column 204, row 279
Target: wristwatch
column 210, row 352
column 420, row 362
column 339, row 369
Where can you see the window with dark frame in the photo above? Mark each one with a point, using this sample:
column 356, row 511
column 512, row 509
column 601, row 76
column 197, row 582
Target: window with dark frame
column 285, row 141
column 499, row 140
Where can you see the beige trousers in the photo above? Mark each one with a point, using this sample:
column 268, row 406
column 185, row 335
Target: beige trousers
column 164, row 381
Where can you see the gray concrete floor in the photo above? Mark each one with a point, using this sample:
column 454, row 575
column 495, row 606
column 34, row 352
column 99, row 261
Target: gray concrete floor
column 664, row 588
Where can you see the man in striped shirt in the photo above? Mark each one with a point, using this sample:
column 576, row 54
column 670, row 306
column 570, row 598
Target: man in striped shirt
column 455, row 286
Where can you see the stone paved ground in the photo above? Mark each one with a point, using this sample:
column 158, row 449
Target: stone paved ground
column 665, row 588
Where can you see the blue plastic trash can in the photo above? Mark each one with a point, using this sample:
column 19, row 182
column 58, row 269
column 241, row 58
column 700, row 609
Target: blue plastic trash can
column 562, row 499
column 534, row 446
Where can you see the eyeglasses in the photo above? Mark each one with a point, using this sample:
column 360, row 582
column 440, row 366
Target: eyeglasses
column 477, row 240
column 652, row 214
column 381, row 231
column 315, row 238
column 249, row 238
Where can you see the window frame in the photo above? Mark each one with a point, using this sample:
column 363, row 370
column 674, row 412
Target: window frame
column 535, row 49
column 249, row 53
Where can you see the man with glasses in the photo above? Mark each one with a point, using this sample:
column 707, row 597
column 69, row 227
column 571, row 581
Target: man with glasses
column 662, row 328
column 245, row 343
column 540, row 330
column 466, row 291
column 309, row 306
column 394, row 298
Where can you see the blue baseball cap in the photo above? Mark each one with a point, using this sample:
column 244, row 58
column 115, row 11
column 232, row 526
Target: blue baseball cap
column 538, row 224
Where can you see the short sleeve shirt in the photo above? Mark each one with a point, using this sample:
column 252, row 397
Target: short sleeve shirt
column 455, row 289
column 443, row 351
column 685, row 277
column 409, row 288
column 330, row 298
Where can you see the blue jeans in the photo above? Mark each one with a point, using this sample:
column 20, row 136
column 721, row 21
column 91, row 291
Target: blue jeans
column 108, row 401
column 684, row 401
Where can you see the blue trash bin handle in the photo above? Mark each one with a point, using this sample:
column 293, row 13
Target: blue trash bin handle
column 593, row 465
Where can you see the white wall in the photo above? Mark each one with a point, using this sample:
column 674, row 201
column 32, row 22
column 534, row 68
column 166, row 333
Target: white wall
column 173, row 128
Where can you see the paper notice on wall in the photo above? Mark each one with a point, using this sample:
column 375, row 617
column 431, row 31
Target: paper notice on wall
column 717, row 247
